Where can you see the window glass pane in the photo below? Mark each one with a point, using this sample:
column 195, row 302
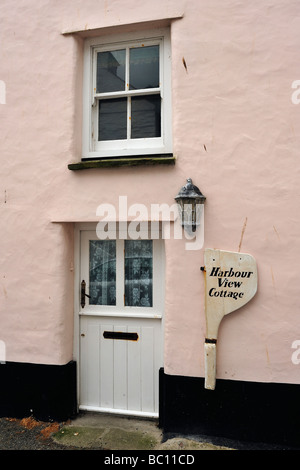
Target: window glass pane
column 144, row 67
column 111, row 71
column 102, row 269
column 145, row 116
column 112, row 119
column 138, row 273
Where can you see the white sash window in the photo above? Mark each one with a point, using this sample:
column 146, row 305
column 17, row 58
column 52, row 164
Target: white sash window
column 127, row 96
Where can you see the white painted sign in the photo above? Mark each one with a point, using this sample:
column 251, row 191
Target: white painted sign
column 230, row 282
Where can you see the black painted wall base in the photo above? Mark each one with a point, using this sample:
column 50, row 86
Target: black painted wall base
column 47, row 392
column 245, row 411
column 249, row 411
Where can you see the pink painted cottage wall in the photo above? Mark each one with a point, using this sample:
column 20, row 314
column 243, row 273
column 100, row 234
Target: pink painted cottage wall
column 235, row 132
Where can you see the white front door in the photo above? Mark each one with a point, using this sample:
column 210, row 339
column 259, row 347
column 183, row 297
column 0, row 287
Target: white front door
column 120, row 324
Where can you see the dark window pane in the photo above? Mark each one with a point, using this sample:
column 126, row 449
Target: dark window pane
column 112, row 119
column 144, row 67
column 111, row 71
column 145, row 116
column 138, row 273
column 102, row 268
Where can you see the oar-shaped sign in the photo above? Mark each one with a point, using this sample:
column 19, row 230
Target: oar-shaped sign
column 230, row 282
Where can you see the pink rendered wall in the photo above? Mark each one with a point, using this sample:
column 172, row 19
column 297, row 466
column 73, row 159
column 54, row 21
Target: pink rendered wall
column 235, row 132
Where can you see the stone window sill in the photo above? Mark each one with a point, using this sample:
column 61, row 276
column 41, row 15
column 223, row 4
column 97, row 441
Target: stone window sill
column 148, row 160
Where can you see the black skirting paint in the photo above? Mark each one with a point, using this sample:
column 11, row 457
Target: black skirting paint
column 245, row 411
column 47, row 392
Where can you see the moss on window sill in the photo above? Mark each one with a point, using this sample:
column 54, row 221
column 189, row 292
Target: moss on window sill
column 164, row 159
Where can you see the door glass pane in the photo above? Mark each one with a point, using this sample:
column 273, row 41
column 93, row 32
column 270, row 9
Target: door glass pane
column 112, row 119
column 145, row 116
column 102, row 269
column 111, row 71
column 138, row 273
column 144, row 67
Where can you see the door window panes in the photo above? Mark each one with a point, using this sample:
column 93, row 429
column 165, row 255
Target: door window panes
column 138, row 273
column 102, row 272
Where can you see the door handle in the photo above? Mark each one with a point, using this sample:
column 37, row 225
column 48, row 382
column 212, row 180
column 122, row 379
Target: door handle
column 83, row 295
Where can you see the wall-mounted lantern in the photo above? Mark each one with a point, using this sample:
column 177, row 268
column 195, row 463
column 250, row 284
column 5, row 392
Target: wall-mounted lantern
column 190, row 202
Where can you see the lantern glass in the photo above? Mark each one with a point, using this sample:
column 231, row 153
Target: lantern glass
column 190, row 202
column 191, row 212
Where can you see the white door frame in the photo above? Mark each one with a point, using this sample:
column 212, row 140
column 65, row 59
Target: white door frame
column 78, row 228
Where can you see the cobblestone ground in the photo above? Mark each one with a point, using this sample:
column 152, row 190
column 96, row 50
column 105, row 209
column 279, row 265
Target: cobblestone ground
column 28, row 434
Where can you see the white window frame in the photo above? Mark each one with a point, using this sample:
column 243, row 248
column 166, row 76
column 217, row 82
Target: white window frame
column 91, row 147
